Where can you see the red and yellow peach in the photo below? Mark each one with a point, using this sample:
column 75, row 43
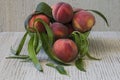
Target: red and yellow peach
column 83, row 21
column 39, row 25
column 62, row 12
column 65, row 49
column 59, row 30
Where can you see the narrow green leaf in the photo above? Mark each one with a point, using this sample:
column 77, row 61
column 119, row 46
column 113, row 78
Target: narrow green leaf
column 85, row 43
column 35, row 42
column 86, row 34
column 32, row 55
column 39, row 42
column 100, row 14
column 77, row 41
column 81, row 42
column 85, row 48
column 91, row 57
column 20, row 45
column 87, row 53
column 50, row 65
column 80, row 64
column 18, row 57
column 48, row 50
column 26, row 60
column 83, row 36
column 29, row 31
column 44, row 8
column 48, row 29
column 59, row 68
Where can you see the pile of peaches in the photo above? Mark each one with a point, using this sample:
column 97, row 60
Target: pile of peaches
column 62, row 31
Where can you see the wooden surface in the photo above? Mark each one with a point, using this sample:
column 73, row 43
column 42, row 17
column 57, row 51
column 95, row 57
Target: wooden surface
column 14, row 12
column 105, row 45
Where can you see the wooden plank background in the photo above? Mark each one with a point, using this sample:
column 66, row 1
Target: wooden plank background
column 14, row 12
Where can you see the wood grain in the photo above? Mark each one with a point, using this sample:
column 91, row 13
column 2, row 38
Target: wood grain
column 14, row 12
column 105, row 45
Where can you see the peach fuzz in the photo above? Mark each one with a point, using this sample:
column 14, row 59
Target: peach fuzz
column 62, row 12
column 65, row 49
column 59, row 30
column 83, row 21
column 39, row 25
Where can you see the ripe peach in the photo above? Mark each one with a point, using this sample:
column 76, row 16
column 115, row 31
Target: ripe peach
column 62, row 12
column 39, row 25
column 83, row 21
column 59, row 30
column 65, row 49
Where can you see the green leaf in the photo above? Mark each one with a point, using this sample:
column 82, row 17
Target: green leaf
column 77, row 41
column 18, row 57
column 20, row 45
column 85, row 43
column 44, row 8
column 81, row 42
column 35, row 42
column 50, row 65
column 85, row 47
column 39, row 42
column 29, row 31
column 59, row 68
column 32, row 55
column 86, row 34
column 91, row 57
column 48, row 29
column 26, row 60
column 82, row 36
column 80, row 64
column 47, row 48
column 100, row 14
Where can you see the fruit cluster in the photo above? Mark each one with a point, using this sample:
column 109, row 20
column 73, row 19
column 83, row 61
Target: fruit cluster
column 66, row 21
column 62, row 31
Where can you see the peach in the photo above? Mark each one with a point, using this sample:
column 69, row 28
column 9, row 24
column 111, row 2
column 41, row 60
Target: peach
column 65, row 49
column 39, row 25
column 62, row 12
column 59, row 30
column 70, row 28
column 83, row 21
